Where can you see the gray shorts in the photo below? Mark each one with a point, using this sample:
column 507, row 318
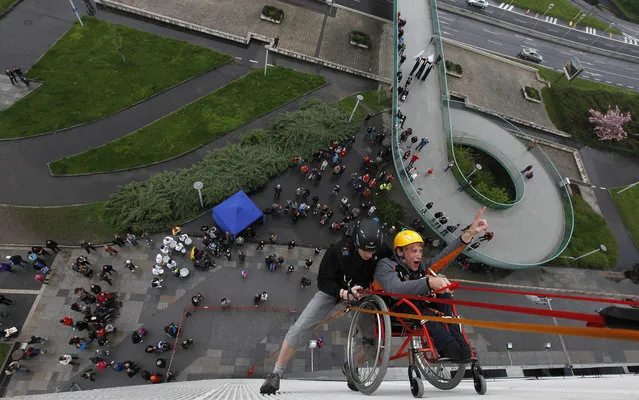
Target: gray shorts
column 316, row 311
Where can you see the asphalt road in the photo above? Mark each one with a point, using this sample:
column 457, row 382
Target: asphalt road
column 378, row 8
column 596, row 67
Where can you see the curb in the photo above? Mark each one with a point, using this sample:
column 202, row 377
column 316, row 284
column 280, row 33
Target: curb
column 541, row 35
column 185, row 153
column 10, row 8
column 235, row 38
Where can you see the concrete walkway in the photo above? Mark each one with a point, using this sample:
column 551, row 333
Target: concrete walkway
column 515, row 228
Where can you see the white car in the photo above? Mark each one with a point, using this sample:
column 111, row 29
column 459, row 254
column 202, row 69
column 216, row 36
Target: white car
column 477, row 3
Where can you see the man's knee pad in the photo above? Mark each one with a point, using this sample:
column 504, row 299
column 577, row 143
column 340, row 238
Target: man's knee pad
column 452, row 349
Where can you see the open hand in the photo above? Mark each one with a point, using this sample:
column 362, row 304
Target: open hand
column 479, row 224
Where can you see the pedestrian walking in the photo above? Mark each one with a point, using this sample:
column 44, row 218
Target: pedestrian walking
column 423, row 142
column 108, row 269
column 14, row 367
column 464, row 186
column 5, row 267
column 417, row 64
column 486, row 237
column 257, row 299
column 197, row 299
column 89, row 374
column 533, row 144
column 53, row 245
column 413, row 140
column 260, row 245
column 131, row 239
column 368, row 117
column 529, row 175
column 429, row 172
column 308, row 262
column 278, row 191
column 156, row 282
column 528, row 168
column 12, row 76
column 449, row 166
column 67, row 359
column 110, row 250
column 421, row 69
column 414, row 158
column 67, row 321
column 117, row 239
column 291, row 245
column 105, row 277
column 305, row 282
column 5, row 300
column 41, row 278
column 87, row 246
column 186, row 343
column 95, row 289
column 273, row 238
column 317, row 251
column 130, row 265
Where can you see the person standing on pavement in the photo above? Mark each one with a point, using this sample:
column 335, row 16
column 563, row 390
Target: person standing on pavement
column 17, row 260
column 464, row 186
column 53, row 245
column 67, row 359
column 421, row 69
column 528, row 168
column 87, row 246
column 417, row 63
column 449, row 166
column 346, row 268
column 430, row 67
column 11, row 76
column 414, row 158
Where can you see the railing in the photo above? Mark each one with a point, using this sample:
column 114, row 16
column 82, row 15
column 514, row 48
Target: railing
column 411, row 191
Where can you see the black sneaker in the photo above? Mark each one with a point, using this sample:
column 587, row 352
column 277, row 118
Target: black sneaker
column 271, row 384
column 349, row 381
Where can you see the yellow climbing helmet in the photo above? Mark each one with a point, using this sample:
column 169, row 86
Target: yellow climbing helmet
column 406, row 237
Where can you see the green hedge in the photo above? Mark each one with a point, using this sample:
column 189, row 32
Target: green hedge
column 85, row 79
column 169, row 198
column 196, row 124
column 4, row 4
column 567, row 105
column 453, row 67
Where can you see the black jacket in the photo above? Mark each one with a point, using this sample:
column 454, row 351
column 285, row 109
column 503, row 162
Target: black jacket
column 342, row 267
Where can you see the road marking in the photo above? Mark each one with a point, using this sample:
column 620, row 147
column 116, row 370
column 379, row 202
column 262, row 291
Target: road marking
column 487, row 31
column 583, row 38
column 444, row 22
column 563, row 52
column 19, row 291
column 609, row 82
column 447, row 33
column 619, row 84
column 553, row 30
column 635, row 78
column 497, row 43
column 238, row 58
column 520, row 20
column 631, row 87
column 630, row 69
column 521, row 37
column 443, row 17
column 253, row 61
column 600, row 62
column 451, row 29
column 598, row 80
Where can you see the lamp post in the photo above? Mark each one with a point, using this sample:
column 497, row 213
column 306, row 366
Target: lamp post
column 198, row 186
column 546, row 301
column 601, row 248
column 478, row 167
column 359, row 98
column 547, row 346
column 604, row 32
column 312, row 344
column 266, row 59
column 509, row 346
column 550, row 6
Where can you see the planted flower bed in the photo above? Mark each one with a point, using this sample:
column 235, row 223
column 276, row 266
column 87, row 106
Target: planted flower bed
column 454, row 69
column 361, row 39
column 272, row 14
column 532, row 94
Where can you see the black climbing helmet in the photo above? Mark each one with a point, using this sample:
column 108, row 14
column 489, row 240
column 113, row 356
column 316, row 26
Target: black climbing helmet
column 367, row 235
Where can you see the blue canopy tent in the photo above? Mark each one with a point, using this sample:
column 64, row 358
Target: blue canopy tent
column 236, row 213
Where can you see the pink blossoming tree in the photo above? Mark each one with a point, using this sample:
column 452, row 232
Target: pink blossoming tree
column 610, row 126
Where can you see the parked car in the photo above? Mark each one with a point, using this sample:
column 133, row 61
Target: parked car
column 477, row 3
column 528, row 53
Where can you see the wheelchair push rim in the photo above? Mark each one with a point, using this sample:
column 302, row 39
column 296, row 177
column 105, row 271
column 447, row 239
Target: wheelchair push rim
column 369, row 345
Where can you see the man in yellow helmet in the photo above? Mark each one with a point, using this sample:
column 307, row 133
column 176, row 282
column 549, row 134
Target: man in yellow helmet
column 406, row 273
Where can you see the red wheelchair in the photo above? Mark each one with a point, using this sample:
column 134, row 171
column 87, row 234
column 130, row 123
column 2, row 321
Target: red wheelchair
column 369, row 349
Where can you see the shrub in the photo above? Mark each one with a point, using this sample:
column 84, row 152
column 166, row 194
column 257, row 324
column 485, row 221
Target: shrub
column 453, row 67
column 361, row 38
column 532, row 93
column 168, row 198
column 273, row 13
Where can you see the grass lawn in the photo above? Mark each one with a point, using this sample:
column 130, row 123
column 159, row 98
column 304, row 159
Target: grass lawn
column 567, row 104
column 85, row 77
column 629, row 8
column 196, row 124
column 562, row 9
column 370, row 104
column 67, row 225
column 628, row 203
column 4, row 4
column 590, row 231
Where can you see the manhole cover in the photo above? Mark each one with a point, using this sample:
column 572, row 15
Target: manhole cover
column 28, row 22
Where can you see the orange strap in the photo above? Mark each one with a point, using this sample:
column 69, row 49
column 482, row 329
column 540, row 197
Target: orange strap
column 604, row 333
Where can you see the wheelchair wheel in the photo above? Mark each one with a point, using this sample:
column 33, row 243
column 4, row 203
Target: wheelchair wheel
column 417, row 388
column 480, row 384
column 444, row 375
column 369, row 345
